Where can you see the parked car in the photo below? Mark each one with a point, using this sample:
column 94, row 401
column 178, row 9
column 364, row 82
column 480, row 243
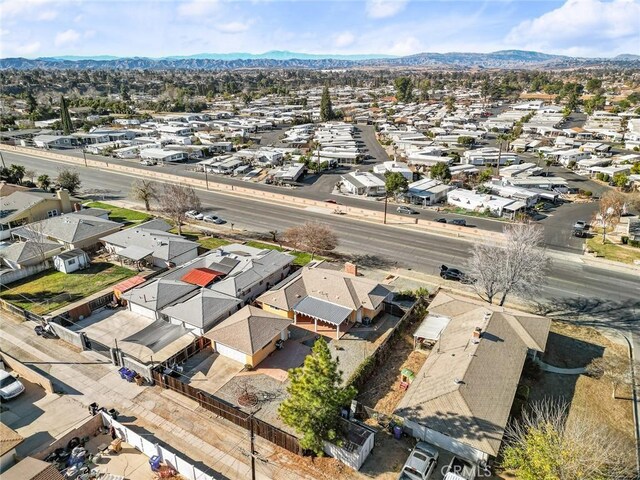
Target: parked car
column 441, row 220
column 194, row 215
column 458, row 221
column 453, row 274
column 148, row 163
column 459, row 469
column 407, row 210
column 421, row 463
column 10, row 386
column 213, row 219
column 580, row 225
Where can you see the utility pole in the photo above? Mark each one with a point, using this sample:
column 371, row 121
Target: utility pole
column 206, row 177
column 2, row 158
column 84, row 155
column 386, row 198
column 252, row 452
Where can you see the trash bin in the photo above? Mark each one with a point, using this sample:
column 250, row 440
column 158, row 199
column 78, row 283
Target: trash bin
column 397, row 432
column 113, row 413
column 154, row 462
column 123, row 372
column 93, row 409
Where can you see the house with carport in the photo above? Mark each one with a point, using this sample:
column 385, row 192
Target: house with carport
column 461, row 398
column 332, row 298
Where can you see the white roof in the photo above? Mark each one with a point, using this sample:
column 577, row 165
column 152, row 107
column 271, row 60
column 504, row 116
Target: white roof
column 431, row 327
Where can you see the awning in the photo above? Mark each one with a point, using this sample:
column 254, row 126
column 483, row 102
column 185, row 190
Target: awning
column 201, row 276
column 431, row 327
column 135, row 253
column 322, row 310
column 512, row 207
column 128, row 284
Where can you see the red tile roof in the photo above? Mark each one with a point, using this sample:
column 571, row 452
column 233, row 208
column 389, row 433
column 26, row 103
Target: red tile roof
column 201, row 276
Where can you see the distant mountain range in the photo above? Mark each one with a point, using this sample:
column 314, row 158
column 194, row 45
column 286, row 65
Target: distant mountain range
column 504, row 59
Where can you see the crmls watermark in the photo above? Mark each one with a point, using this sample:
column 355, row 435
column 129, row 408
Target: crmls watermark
column 482, row 471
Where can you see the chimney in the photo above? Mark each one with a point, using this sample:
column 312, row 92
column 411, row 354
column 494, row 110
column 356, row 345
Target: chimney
column 351, row 269
column 65, row 202
column 476, row 335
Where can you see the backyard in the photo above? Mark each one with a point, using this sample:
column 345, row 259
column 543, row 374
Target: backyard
column 51, row 290
column 122, row 215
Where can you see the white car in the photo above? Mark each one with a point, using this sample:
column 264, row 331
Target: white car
column 421, row 463
column 10, row 386
column 213, row 219
column 194, row 215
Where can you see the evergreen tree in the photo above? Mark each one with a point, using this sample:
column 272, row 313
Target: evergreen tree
column 32, row 104
column 44, row 182
column 404, row 89
column 315, row 397
column 65, row 118
column 326, row 108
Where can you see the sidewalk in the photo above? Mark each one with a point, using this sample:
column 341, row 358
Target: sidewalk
column 203, row 437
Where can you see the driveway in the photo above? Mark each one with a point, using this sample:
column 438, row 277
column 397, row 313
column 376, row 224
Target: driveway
column 40, row 418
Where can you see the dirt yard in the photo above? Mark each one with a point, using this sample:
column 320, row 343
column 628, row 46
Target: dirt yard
column 383, row 388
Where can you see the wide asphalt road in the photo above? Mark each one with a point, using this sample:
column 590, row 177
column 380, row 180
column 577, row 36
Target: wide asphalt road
column 572, row 287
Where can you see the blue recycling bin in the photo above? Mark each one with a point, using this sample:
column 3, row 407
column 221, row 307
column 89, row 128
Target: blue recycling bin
column 124, row 371
column 397, row 432
column 154, row 462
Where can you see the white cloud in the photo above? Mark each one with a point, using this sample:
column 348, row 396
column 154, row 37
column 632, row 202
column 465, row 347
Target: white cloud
column 406, row 46
column 66, row 37
column 14, row 8
column 233, row 27
column 593, row 27
column 3, row 32
column 47, row 15
column 385, row 8
column 197, row 8
column 28, row 49
column 344, row 39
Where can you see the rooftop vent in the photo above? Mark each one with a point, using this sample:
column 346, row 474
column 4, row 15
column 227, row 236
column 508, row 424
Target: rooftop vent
column 476, row 335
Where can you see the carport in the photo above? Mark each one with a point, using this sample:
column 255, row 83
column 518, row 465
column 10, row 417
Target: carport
column 317, row 310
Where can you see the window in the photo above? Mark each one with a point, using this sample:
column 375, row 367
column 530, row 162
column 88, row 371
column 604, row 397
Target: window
column 72, row 261
column 52, row 213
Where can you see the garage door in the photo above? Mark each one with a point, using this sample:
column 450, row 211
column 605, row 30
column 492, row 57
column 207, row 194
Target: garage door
column 452, row 445
column 145, row 312
column 231, row 353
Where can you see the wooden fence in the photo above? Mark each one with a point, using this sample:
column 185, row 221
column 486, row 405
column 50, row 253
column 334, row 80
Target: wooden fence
column 230, row 412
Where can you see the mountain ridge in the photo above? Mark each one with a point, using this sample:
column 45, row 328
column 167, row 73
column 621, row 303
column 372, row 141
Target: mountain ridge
column 506, row 59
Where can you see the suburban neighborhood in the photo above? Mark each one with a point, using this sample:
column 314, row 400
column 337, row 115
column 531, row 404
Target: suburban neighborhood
column 318, row 266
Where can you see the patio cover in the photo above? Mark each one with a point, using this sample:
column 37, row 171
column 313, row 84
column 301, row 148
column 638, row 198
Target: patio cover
column 512, row 207
column 431, row 327
column 322, row 310
column 157, row 335
column 135, row 253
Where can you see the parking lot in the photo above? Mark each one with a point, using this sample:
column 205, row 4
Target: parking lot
column 40, row 418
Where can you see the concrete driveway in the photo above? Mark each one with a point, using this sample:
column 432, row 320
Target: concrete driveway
column 213, row 372
column 40, row 418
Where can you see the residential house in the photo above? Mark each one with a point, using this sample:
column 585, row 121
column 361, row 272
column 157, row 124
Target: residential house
column 20, row 255
column 394, row 167
column 31, row 468
column 202, row 309
column 489, row 156
column 315, row 294
column 427, row 192
column 73, row 230
column 9, row 440
column 161, row 155
column 461, row 398
column 363, row 183
column 21, row 207
column 55, row 141
column 249, row 335
column 480, row 202
column 150, row 242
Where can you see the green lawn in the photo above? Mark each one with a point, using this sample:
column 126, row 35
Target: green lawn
column 122, row 215
column 50, row 290
column 610, row 251
column 212, row 242
column 301, row 258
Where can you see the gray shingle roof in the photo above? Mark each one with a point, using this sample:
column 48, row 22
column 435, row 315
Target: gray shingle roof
column 20, row 252
column 163, row 245
column 159, row 293
column 69, row 228
column 248, row 330
column 202, row 310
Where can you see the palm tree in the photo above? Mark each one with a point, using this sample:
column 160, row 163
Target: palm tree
column 44, row 182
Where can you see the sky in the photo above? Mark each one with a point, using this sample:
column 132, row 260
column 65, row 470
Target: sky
column 157, row 28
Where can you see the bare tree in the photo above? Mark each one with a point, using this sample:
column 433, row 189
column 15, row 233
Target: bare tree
column 517, row 266
column 176, row 201
column 313, row 237
column 615, row 368
column 144, row 191
column 609, row 211
column 547, row 442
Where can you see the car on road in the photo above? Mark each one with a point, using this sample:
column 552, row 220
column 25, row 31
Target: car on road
column 407, row 210
column 10, row 386
column 194, row 215
column 460, row 469
column 461, row 222
column 441, row 220
column 421, row 463
column 148, row 163
column 580, row 225
column 213, row 219
column 453, row 274
column 329, row 200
